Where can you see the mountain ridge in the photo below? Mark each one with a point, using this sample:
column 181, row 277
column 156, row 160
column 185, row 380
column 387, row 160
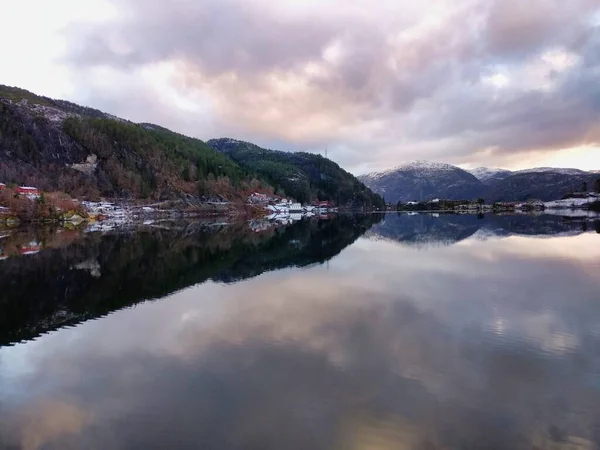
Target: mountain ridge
column 423, row 180
column 305, row 176
column 57, row 145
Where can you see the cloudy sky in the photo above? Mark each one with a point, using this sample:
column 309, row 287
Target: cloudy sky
column 501, row 83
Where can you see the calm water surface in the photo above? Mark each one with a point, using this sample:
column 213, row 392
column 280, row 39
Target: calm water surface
column 372, row 332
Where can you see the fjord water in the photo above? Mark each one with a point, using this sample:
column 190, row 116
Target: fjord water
column 370, row 332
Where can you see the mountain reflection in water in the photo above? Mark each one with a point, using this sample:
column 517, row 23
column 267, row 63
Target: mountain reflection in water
column 423, row 332
column 92, row 275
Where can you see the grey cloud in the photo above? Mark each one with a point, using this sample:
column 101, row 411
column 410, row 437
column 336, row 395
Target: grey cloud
column 215, row 36
column 518, row 28
column 566, row 115
column 423, row 91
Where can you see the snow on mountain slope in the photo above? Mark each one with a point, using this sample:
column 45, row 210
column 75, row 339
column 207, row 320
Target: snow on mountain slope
column 486, row 175
column 421, row 167
column 562, row 171
column 423, row 180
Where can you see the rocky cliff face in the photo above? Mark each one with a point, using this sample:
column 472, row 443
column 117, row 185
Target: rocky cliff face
column 57, row 145
column 35, row 150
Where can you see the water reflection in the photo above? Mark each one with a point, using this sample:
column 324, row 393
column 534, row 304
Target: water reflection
column 425, row 230
column 491, row 343
column 81, row 276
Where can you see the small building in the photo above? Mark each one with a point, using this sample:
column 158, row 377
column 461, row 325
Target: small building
column 2, row 186
column 29, row 191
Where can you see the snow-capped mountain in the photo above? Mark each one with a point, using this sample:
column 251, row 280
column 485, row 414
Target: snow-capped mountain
column 490, row 176
column 424, row 180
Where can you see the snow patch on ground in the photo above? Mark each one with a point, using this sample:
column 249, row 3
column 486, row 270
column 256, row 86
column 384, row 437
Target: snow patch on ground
column 570, row 203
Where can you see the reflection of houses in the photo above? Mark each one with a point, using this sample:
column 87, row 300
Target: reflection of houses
column 31, row 249
column 29, row 191
column 279, row 208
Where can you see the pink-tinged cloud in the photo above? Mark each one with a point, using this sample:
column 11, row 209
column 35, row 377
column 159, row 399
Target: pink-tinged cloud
column 478, row 82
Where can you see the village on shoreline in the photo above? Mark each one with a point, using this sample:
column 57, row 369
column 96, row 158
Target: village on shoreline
column 28, row 204
column 579, row 201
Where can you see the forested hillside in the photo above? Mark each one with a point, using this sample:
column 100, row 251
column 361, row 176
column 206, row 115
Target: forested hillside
column 304, row 176
column 56, row 145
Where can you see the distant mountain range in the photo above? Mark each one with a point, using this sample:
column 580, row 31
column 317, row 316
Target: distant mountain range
column 58, row 145
column 424, row 180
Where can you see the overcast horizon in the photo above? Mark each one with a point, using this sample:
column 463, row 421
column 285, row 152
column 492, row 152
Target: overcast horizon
column 495, row 83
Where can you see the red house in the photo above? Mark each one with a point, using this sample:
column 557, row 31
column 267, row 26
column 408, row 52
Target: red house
column 2, row 186
column 31, row 192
